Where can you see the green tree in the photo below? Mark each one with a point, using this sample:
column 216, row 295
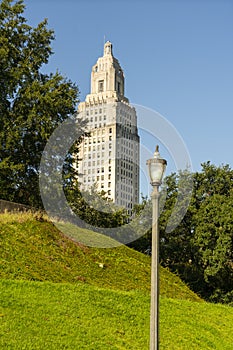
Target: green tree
column 175, row 246
column 211, row 180
column 141, row 225
column 200, row 247
column 176, row 226
column 93, row 208
column 32, row 104
column 214, row 242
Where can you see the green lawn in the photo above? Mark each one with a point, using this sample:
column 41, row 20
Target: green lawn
column 44, row 315
column 56, row 293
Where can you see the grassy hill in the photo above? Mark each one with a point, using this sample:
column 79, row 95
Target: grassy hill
column 48, row 316
column 58, row 294
column 34, row 249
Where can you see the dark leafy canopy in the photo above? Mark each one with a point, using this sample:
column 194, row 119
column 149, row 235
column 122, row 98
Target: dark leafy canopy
column 213, row 234
column 200, row 249
column 214, row 241
column 32, row 104
column 95, row 209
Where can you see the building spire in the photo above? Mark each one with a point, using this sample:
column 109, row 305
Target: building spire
column 107, row 76
column 108, row 48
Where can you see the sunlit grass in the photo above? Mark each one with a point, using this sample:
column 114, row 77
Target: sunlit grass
column 101, row 298
column 19, row 217
column 34, row 249
column 49, row 316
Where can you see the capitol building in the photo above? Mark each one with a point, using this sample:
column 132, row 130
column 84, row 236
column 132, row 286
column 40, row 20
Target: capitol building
column 109, row 157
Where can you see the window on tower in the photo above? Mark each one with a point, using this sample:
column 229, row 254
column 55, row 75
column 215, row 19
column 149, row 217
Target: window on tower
column 118, row 87
column 101, row 86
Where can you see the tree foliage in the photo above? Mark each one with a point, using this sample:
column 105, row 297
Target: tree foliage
column 200, row 248
column 32, row 104
column 94, row 208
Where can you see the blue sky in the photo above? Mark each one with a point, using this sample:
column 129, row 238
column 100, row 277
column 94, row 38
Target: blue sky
column 177, row 57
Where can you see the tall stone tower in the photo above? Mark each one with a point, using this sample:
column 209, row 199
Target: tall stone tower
column 110, row 156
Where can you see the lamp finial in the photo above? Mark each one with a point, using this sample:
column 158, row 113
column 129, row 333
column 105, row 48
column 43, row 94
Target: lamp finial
column 156, row 154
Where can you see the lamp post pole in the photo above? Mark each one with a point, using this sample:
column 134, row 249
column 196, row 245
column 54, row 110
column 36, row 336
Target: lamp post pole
column 154, row 312
column 156, row 167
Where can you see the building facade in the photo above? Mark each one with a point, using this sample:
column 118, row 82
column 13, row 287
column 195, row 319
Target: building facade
column 110, row 155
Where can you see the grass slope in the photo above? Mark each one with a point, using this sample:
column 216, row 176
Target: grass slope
column 48, row 316
column 35, row 250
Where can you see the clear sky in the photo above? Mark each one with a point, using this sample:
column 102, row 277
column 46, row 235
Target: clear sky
column 177, row 57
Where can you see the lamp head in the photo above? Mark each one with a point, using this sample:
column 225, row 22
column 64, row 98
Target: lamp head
column 157, row 167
